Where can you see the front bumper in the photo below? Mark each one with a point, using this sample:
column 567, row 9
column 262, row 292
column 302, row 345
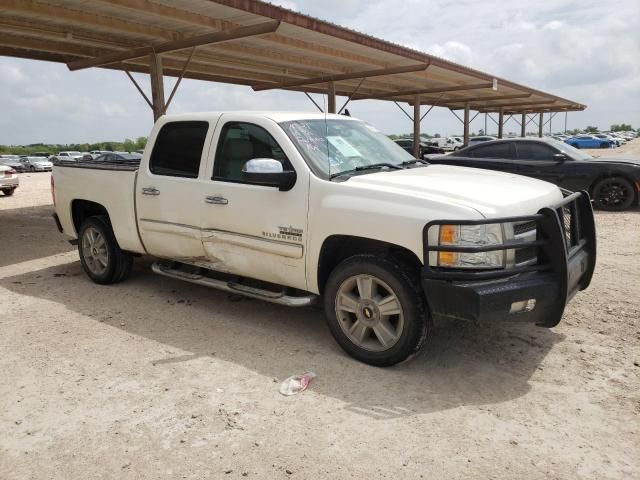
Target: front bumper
column 566, row 251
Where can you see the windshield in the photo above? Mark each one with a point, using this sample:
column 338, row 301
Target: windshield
column 569, row 150
column 331, row 146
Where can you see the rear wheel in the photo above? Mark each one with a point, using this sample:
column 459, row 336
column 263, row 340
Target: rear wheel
column 374, row 311
column 8, row 191
column 101, row 257
column 32, row 168
column 614, row 193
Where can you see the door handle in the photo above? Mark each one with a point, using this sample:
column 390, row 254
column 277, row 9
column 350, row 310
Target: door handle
column 216, row 199
column 150, row 191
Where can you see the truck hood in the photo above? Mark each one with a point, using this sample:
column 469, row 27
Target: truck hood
column 492, row 194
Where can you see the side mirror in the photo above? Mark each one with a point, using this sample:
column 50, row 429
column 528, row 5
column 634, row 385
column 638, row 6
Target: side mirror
column 560, row 157
column 269, row 173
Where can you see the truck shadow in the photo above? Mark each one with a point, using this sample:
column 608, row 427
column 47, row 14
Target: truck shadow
column 463, row 364
column 29, row 233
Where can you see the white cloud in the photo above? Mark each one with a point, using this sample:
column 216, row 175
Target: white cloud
column 585, row 50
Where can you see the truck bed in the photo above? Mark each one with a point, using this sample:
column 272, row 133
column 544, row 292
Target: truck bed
column 108, row 184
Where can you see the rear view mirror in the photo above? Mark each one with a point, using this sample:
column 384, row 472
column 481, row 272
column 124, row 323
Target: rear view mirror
column 269, row 173
column 560, row 157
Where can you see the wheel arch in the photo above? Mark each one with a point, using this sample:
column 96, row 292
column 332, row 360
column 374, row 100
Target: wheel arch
column 83, row 209
column 337, row 248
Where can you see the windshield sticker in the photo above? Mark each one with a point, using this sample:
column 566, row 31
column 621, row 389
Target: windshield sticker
column 344, row 147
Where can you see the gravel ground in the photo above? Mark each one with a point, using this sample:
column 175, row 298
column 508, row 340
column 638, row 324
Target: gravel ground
column 155, row 378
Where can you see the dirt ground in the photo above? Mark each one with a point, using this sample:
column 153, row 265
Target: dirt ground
column 154, row 378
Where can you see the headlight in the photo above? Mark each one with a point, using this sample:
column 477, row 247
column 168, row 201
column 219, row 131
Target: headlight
column 471, row 235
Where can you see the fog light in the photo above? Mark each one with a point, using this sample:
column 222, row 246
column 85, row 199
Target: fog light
column 523, row 306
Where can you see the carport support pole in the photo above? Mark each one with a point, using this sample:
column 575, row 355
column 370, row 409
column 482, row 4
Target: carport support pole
column 523, row 125
column 331, row 93
column 540, row 124
column 466, row 124
column 500, row 122
column 157, row 85
column 416, row 126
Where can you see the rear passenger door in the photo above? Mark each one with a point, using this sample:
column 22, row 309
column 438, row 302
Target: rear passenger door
column 170, row 190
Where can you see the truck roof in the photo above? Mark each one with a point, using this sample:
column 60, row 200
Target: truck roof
column 275, row 116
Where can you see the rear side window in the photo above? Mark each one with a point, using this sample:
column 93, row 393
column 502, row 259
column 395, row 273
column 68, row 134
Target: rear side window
column 178, row 149
column 497, row 150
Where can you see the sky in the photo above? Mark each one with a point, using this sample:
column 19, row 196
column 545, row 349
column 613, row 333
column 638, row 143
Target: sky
column 587, row 51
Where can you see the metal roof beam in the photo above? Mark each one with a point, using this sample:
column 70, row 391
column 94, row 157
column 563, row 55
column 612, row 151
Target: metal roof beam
column 343, row 76
column 456, row 88
column 171, row 46
column 473, row 100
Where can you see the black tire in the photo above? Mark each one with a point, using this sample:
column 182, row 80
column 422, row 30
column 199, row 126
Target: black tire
column 575, row 145
column 119, row 263
column 604, row 145
column 416, row 323
column 613, row 194
column 8, row 191
column 32, row 169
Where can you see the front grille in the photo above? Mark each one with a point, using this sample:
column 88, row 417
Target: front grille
column 524, row 227
column 526, row 255
column 568, row 219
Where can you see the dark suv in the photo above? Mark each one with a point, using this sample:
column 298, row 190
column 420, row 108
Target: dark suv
column 425, row 148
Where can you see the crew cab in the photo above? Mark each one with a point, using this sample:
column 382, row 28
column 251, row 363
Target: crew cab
column 298, row 208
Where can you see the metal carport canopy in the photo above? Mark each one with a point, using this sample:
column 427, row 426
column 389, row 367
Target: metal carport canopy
column 253, row 43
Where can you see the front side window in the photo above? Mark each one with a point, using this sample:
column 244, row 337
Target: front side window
column 534, row 151
column 240, row 142
column 178, row 149
column 333, row 146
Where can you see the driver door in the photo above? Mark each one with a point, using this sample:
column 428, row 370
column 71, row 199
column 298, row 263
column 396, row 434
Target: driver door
column 253, row 230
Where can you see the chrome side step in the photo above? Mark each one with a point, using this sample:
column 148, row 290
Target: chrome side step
column 274, row 297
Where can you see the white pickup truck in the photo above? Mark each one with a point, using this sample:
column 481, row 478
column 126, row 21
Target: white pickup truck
column 290, row 208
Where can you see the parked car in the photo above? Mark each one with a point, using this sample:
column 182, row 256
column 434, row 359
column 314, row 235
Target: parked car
column 13, row 162
column 119, row 157
column 425, row 148
column 290, row 208
column 68, row 156
column 613, row 183
column 449, row 144
column 9, row 180
column 587, row 141
column 612, row 141
column 36, row 164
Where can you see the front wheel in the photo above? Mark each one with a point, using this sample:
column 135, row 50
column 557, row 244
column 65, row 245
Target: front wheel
column 575, row 145
column 374, row 311
column 8, row 191
column 614, row 193
column 100, row 254
column 605, row 145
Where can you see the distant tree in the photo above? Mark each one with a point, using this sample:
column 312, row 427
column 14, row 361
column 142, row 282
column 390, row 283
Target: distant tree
column 623, row 127
column 437, row 135
column 141, row 142
column 481, row 131
column 108, row 147
column 591, row 129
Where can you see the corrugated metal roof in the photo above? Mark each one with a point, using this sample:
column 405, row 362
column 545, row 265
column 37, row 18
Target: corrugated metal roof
column 302, row 48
